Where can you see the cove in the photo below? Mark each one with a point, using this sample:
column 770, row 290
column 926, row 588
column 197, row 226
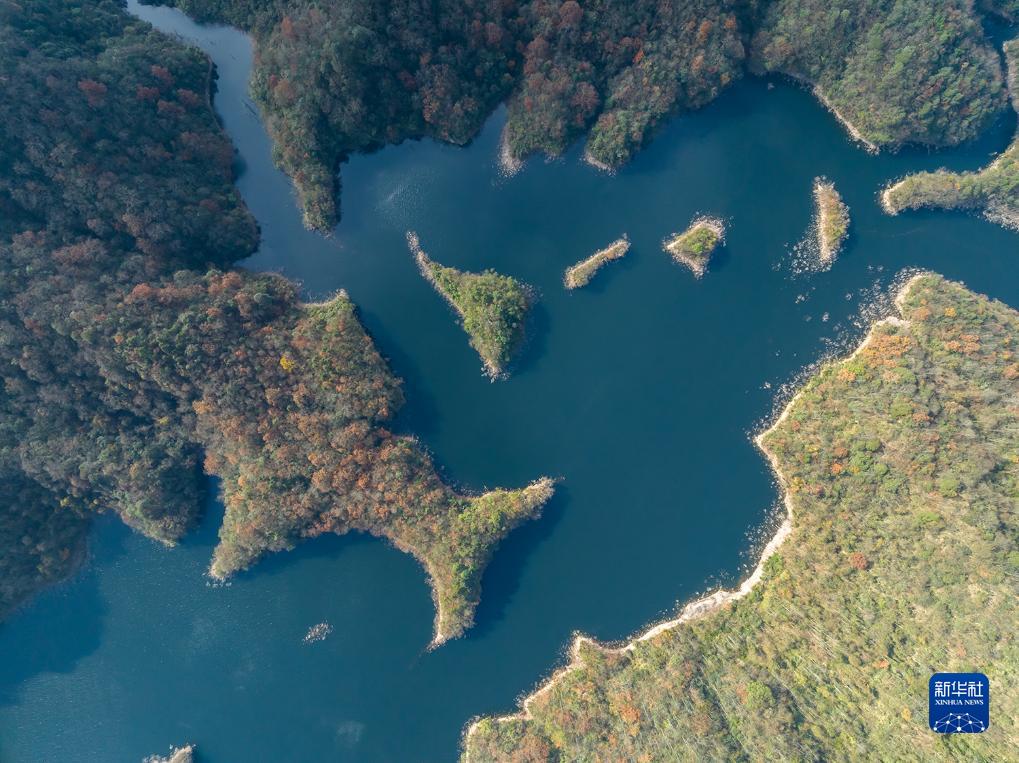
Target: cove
column 639, row 391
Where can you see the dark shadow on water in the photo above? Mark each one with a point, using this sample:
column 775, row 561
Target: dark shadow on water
column 501, row 579
column 419, row 414
column 63, row 624
column 328, row 545
column 206, row 532
column 602, row 280
column 720, row 260
column 535, row 340
column 997, row 29
column 239, row 165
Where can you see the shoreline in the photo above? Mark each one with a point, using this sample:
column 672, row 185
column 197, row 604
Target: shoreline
column 705, row 605
column 509, row 165
column 422, row 260
column 598, row 165
column 492, row 371
column 1006, row 217
column 886, row 194
column 614, row 251
column 870, row 146
column 1000, row 214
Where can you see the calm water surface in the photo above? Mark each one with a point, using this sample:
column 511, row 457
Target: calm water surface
column 640, row 391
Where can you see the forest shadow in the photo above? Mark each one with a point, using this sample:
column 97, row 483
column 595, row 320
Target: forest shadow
column 535, row 342
column 419, row 414
column 325, row 546
column 720, row 259
column 501, row 578
column 63, row 624
column 603, row 279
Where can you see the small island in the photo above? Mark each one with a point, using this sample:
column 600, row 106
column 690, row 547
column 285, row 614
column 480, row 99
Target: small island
column 581, row 274
column 185, row 754
column 832, row 221
column 992, row 191
column 317, row 632
column 694, row 246
column 493, row 307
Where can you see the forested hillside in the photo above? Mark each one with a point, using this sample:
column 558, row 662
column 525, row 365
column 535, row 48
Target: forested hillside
column 902, row 468
column 131, row 353
column 899, row 71
column 334, row 77
column 993, row 190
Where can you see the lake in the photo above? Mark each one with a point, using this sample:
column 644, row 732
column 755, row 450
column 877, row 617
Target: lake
column 641, row 391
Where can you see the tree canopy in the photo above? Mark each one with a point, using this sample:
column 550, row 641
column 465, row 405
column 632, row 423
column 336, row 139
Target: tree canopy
column 901, row 466
column 135, row 357
column 335, row 77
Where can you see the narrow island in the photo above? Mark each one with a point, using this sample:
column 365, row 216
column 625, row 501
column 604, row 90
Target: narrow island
column 898, row 558
column 992, row 191
column 581, row 274
column 832, row 221
column 694, row 246
column 492, row 307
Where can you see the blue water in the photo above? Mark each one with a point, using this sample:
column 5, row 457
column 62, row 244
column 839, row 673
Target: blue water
column 640, row 391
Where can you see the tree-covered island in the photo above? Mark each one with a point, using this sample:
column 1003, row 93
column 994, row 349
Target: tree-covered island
column 694, row 246
column 492, row 307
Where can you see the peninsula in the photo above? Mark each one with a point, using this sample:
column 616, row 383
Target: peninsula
column 694, row 246
column 898, row 559
column 581, row 274
column 137, row 359
column 492, row 307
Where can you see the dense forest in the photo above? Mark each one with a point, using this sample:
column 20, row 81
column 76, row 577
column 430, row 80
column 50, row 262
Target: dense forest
column 900, row 71
column 901, row 464
column 135, row 358
column 334, row 77
column 993, row 190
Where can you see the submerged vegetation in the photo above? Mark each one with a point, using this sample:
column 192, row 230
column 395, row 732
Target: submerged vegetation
column 994, row 190
column 832, row 217
column 581, row 274
column 135, row 358
column 694, row 246
column 901, row 466
column 334, row 77
column 493, row 307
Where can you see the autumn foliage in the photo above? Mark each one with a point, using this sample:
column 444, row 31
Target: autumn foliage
column 135, row 359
